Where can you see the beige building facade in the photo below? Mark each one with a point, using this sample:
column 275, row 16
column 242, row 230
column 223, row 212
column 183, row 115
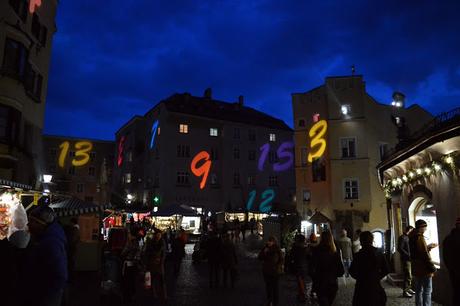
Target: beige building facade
column 355, row 132
column 26, row 34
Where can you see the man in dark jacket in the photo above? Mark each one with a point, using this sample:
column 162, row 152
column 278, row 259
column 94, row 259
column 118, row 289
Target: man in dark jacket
column 272, row 259
column 451, row 255
column 213, row 250
column 368, row 268
column 228, row 260
column 404, row 253
column 46, row 263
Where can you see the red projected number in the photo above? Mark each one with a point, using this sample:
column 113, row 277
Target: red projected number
column 121, row 147
column 33, row 5
column 202, row 170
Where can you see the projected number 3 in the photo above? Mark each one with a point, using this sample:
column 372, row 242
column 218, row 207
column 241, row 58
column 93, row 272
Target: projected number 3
column 318, row 143
column 202, row 170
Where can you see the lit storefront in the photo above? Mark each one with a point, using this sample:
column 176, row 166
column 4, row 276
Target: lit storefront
column 421, row 181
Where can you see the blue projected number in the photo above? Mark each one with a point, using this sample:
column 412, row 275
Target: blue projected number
column 154, row 132
column 266, row 205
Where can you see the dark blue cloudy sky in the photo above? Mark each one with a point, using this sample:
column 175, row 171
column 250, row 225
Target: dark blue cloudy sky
column 114, row 59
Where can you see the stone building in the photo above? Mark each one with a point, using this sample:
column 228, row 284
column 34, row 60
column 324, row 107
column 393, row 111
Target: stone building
column 205, row 153
column 421, row 180
column 81, row 168
column 341, row 134
column 26, row 33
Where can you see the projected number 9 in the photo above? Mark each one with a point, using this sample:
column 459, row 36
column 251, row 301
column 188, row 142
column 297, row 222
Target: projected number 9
column 203, row 169
column 318, row 143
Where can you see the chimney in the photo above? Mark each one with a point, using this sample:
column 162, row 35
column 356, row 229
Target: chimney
column 241, row 101
column 208, row 93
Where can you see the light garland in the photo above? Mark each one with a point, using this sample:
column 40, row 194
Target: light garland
column 432, row 168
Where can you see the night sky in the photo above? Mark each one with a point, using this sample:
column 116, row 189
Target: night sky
column 115, row 59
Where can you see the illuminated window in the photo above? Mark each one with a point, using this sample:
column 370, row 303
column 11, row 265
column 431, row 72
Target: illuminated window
column 272, row 137
column 252, row 135
column 348, row 147
column 213, row 132
column 236, row 178
column 303, row 156
column 251, row 180
column 236, row 133
column 318, row 168
column 345, row 109
column 183, row 128
column 236, row 153
column 158, row 131
column 80, row 188
column 301, row 123
column 383, row 149
column 130, row 156
column 182, row 178
column 378, row 239
column 252, row 155
column 351, row 188
column 128, row 178
column 273, row 180
column 91, row 171
column 183, row 151
column 71, row 170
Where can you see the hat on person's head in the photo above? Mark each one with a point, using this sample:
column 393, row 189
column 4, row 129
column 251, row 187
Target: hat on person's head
column 420, row 223
column 43, row 214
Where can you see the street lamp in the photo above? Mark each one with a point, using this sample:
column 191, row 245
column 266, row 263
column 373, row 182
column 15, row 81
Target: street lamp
column 47, row 178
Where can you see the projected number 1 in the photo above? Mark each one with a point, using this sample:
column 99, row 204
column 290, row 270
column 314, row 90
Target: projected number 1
column 154, row 132
column 202, row 170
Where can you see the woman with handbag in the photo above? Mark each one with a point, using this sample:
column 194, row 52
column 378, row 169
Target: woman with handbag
column 272, row 259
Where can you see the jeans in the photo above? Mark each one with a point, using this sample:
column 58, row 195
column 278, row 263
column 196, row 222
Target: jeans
column 406, row 267
column 272, row 288
column 346, row 266
column 423, row 288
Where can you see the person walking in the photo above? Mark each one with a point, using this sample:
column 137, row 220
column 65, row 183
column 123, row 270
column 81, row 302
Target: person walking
column 404, row 253
column 154, row 257
column 130, row 256
column 46, row 259
column 272, row 263
column 451, row 256
column 345, row 246
column 423, row 268
column 356, row 242
column 325, row 269
column 300, row 257
column 73, row 239
column 252, row 225
column 229, row 261
column 177, row 253
column 368, row 268
column 213, row 251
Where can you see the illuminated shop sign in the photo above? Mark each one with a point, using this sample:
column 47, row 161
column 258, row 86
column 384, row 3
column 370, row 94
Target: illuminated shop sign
column 284, row 151
column 81, row 158
column 267, row 198
column 202, row 170
column 154, row 132
column 121, row 148
column 317, row 142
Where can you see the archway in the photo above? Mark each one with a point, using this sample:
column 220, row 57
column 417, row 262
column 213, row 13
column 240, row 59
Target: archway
column 422, row 208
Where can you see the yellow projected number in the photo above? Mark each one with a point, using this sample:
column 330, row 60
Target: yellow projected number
column 317, row 143
column 81, row 154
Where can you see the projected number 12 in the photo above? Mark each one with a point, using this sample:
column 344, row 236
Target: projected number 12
column 267, row 197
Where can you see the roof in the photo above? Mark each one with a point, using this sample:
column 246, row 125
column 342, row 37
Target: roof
column 319, row 218
column 79, row 138
column 219, row 110
column 171, row 210
column 14, row 184
column 130, row 121
column 73, row 207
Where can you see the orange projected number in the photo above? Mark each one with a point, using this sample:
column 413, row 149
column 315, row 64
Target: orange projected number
column 202, row 170
column 82, row 156
column 318, row 143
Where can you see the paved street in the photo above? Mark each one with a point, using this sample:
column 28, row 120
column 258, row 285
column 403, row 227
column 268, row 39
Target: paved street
column 192, row 288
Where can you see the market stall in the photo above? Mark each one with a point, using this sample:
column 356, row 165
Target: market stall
column 176, row 216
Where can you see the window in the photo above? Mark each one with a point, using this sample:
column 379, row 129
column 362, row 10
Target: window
column 236, row 133
column 71, row 170
column 351, row 189
column 214, row 154
column 301, row 123
column 156, row 180
column 129, row 156
column 251, row 180
column 383, row 149
column 182, row 178
column 252, row 135
column 38, row 30
column 272, row 137
column 33, row 82
column 303, row 156
column 319, row 169
column 10, row 119
column 236, row 178
column 128, row 178
column 91, row 171
column 272, row 157
column 183, row 151
column 92, row 155
column 79, row 187
column 348, row 147
column 158, row 131
column 3, row 122
column 20, row 8
column 273, row 180
column 183, row 128
column 213, row 179
column 52, row 169
column 252, row 155
column 236, row 153
column 15, row 59
column 213, row 132
column 89, row 199
column 71, row 153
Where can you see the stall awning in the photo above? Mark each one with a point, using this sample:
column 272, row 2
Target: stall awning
column 12, row 184
column 319, row 218
column 175, row 209
column 74, row 207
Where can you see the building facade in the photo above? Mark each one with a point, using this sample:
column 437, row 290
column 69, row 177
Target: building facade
column 81, row 168
column 421, row 180
column 201, row 152
column 26, row 32
column 341, row 134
